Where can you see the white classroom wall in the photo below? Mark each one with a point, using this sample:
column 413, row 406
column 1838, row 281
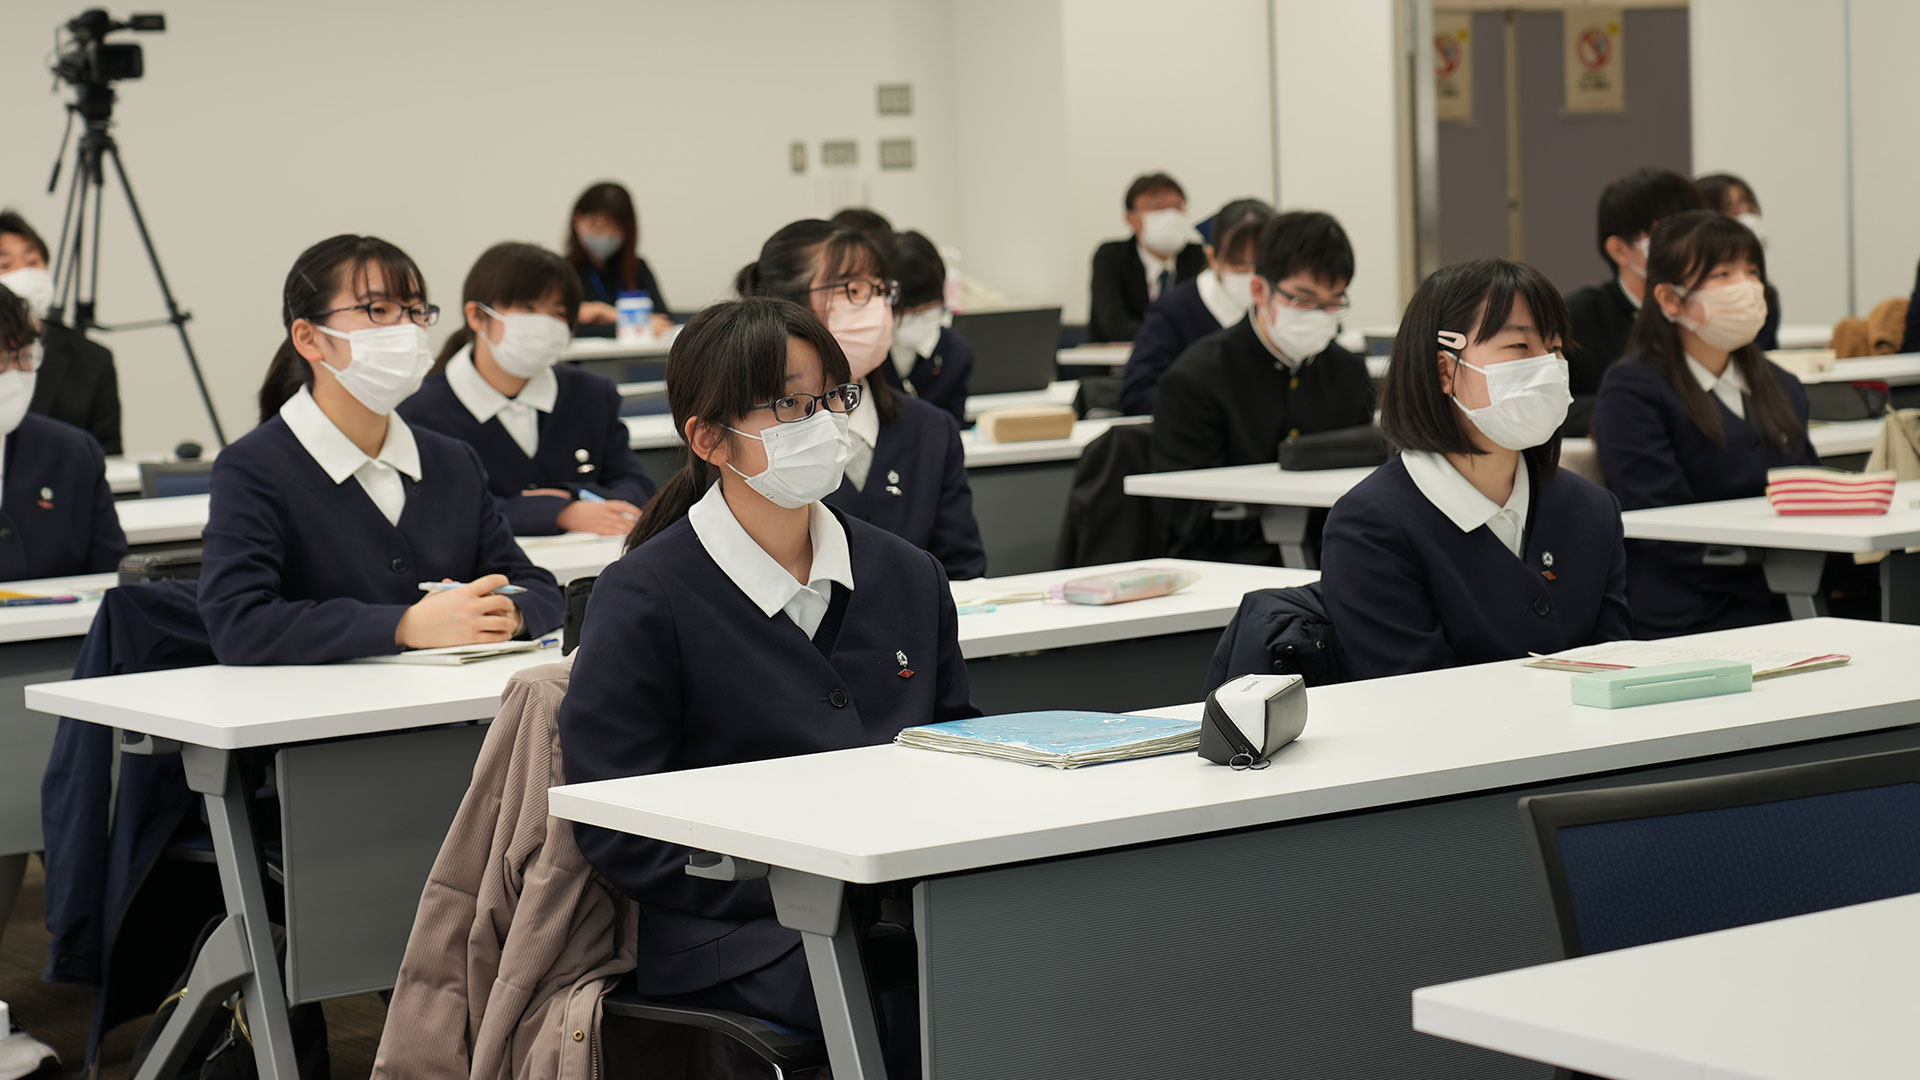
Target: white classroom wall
column 1885, row 83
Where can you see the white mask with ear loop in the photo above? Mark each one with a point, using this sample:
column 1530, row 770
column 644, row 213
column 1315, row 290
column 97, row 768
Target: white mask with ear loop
column 16, row 390
column 530, row 344
column 1527, row 399
column 389, row 363
column 805, row 460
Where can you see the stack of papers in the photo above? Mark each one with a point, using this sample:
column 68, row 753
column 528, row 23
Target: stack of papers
column 455, row 655
column 1063, row 739
column 1619, row 655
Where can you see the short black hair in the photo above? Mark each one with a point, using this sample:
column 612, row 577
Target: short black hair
column 871, row 222
column 1236, row 227
column 12, row 222
column 1148, row 183
column 1717, row 189
column 1303, row 240
column 16, row 322
column 1473, row 298
column 919, row 269
column 1632, row 205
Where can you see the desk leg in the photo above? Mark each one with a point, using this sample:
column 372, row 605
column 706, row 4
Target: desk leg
column 1287, row 527
column 239, row 957
column 1796, row 575
column 816, row 907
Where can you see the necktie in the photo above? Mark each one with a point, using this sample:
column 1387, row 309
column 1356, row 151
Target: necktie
column 1160, row 285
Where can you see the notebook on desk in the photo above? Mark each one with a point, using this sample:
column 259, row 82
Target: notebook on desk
column 1062, row 738
column 455, row 655
column 1621, row 655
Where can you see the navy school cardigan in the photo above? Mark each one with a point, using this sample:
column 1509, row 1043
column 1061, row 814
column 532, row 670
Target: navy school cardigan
column 1173, row 322
column 56, row 514
column 917, row 489
column 943, row 379
column 583, row 445
column 1408, row 591
column 1654, row 455
column 678, row 669
column 300, row 570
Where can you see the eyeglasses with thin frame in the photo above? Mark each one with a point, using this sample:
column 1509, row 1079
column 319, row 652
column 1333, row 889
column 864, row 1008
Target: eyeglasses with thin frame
column 1338, row 306
column 860, row 290
column 388, row 312
column 24, row 358
column 797, row 407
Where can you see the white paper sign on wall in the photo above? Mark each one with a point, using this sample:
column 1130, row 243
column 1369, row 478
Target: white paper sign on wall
column 1595, row 60
column 1453, row 66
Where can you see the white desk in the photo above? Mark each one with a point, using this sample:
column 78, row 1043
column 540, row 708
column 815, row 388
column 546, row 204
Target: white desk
column 1058, row 393
column 1104, row 354
column 1900, row 369
column 1387, row 837
column 169, row 520
column 123, row 476
column 982, row 454
column 572, row 555
column 606, row 348
column 1815, row 997
column 36, row 644
column 1805, row 336
column 1796, row 547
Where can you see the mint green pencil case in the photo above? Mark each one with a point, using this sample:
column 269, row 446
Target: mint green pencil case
column 1666, row 682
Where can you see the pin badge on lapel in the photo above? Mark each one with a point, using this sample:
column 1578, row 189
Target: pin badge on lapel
column 905, row 671
column 1546, row 560
column 46, row 498
column 585, row 465
column 893, row 482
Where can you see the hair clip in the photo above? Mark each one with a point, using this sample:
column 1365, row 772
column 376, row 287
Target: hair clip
column 1452, row 340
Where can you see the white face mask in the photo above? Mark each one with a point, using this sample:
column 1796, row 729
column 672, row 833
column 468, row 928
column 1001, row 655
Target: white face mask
column 1165, row 231
column 389, row 363
column 1644, row 246
column 1526, row 400
column 865, row 333
column 32, row 284
column 1238, row 287
column 529, row 344
column 915, row 334
column 1301, row 335
column 1734, row 314
column 805, row 460
column 600, row 245
column 1751, row 221
column 16, row 393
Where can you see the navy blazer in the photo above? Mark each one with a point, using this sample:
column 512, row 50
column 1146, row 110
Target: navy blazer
column 657, row 687
column 1408, row 591
column 917, row 489
column 943, row 379
column 56, row 515
column 1119, row 287
column 583, row 445
column 300, row 570
column 1173, row 322
column 1654, row 455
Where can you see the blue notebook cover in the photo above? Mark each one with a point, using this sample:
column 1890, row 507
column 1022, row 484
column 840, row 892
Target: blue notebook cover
column 1064, row 731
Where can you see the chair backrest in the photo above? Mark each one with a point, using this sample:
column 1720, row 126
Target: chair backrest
column 1632, row 865
column 576, row 591
column 162, row 478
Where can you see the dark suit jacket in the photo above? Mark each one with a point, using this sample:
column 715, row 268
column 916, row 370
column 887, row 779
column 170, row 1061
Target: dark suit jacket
column 1120, row 287
column 77, row 384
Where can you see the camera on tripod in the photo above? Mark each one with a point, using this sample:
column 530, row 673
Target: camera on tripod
column 88, row 60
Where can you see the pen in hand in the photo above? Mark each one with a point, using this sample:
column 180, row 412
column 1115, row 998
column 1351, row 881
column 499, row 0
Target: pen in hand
column 443, row 586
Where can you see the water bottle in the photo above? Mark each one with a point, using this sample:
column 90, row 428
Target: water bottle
column 634, row 321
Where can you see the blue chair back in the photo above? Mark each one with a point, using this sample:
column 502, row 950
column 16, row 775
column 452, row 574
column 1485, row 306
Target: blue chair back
column 158, row 480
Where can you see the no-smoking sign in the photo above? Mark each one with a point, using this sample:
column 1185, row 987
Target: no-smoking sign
column 1594, row 59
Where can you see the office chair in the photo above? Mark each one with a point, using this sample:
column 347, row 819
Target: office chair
column 1633, row 865
column 790, row 1051
column 163, row 478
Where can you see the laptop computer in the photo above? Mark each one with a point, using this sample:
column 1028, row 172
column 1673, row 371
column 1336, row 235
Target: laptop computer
column 1013, row 348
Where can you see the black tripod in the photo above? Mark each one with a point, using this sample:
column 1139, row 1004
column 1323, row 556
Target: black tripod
column 95, row 106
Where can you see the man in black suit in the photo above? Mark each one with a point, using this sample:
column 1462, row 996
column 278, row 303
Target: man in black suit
column 77, row 382
column 1130, row 274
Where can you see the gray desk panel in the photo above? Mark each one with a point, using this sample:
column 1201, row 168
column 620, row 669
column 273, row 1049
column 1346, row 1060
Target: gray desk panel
column 26, row 737
column 1020, row 509
column 1288, row 951
column 1115, row 677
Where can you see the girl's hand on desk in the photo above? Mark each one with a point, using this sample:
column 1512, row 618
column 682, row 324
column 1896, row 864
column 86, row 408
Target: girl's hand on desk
column 468, row 615
column 593, row 311
column 610, row 518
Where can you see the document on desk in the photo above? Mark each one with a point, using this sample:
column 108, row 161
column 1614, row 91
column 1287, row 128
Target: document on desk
column 1061, row 738
column 455, row 655
column 1619, row 655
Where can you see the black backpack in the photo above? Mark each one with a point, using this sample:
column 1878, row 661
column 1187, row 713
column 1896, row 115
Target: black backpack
column 224, row 1051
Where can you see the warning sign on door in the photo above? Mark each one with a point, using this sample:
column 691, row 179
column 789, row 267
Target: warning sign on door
column 1453, row 66
column 1596, row 49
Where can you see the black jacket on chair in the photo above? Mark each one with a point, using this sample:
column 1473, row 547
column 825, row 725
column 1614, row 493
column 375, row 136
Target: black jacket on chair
column 1103, row 523
column 77, row 383
column 1120, row 287
column 1277, row 632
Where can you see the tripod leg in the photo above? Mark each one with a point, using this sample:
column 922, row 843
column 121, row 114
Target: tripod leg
column 66, row 258
column 174, row 313
column 84, row 317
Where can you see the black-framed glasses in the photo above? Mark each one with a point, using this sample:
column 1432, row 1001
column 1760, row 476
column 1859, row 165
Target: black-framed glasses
column 1338, row 306
column 389, row 312
column 24, row 358
column 861, row 290
column 797, row 407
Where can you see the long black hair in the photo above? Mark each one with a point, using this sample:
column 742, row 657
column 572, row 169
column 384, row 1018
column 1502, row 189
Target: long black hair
column 611, row 200
column 727, row 359
column 808, row 250
column 1473, row 298
column 320, row 271
column 16, row 322
column 513, row 275
column 1685, row 249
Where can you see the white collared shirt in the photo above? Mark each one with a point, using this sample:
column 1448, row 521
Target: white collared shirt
column 1155, row 267
column 335, row 453
column 1730, row 386
column 518, row 413
column 1455, row 496
column 863, row 434
column 1225, row 309
column 760, row 576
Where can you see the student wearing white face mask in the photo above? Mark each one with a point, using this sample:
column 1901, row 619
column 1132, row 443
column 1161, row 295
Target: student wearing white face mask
column 328, row 517
column 1472, row 545
column 1696, row 413
column 76, row 382
column 558, row 457
column 928, row 359
column 1734, row 197
column 603, row 244
column 1234, row 395
column 907, row 470
column 1132, row 273
column 1219, row 297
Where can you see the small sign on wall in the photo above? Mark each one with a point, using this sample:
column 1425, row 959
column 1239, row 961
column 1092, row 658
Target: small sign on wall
column 1453, row 66
column 1595, row 60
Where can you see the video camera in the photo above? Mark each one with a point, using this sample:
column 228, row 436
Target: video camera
column 86, row 59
